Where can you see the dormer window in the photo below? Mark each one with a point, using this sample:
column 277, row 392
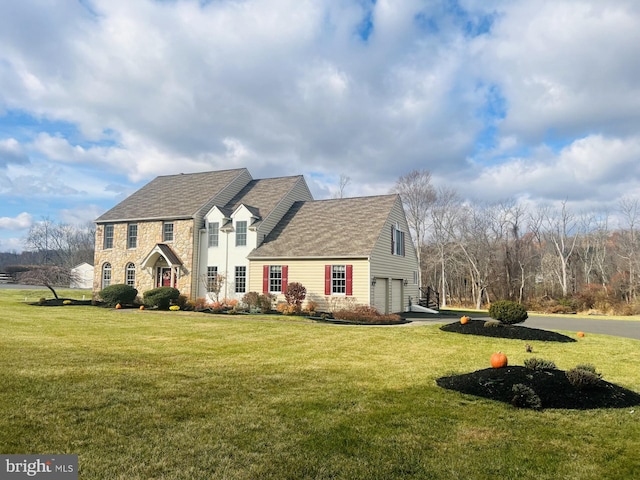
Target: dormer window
column 241, row 234
column 214, row 233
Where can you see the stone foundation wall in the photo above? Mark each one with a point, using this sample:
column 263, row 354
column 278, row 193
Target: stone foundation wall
column 149, row 235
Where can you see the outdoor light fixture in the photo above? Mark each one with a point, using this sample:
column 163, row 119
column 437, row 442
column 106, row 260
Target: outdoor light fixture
column 373, row 281
column 405, row 282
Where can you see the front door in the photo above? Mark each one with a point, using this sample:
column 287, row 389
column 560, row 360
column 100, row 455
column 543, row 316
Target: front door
column 164, row 277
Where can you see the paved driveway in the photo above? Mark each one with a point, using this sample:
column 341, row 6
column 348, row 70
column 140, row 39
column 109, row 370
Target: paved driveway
column 571, row 323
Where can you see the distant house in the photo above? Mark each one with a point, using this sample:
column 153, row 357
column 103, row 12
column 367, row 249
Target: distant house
column 189, row 230
column 82, row 276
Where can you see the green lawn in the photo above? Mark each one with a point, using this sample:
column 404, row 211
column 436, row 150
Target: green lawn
column 178, row 395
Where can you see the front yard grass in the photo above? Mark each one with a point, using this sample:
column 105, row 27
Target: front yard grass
column 181, row 395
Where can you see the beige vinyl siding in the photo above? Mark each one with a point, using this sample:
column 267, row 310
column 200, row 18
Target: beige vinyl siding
column 300, row 192
column 390, row 267
column 310, row 273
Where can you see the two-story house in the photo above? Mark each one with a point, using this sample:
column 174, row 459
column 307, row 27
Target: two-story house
column 191, row 230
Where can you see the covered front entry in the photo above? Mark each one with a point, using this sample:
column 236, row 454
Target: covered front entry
column 164, row 265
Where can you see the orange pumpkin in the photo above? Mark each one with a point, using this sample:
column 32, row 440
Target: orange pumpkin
column 499, row 360
column 580, row 334
column 464, row 319
column 141, row 307
column 118, row 306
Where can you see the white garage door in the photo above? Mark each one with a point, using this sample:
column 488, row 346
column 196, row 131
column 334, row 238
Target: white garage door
column 380, row 295
column 396, row 296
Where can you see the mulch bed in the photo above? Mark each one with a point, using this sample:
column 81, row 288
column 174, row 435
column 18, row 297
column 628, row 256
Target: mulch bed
column 59, row 302
column 518, row 332
column 550, row 385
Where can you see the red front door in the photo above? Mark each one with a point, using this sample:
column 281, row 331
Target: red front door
column 164, row 277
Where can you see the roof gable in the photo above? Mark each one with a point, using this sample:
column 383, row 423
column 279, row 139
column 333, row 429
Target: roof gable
column 262, row 196
column 329, row 228
column 172, row 196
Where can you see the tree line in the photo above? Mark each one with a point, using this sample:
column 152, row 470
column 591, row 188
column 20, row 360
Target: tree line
column 549, row 258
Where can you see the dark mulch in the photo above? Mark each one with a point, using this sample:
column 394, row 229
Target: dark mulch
column 59, row 302
column 518, row 332
column 551, row 386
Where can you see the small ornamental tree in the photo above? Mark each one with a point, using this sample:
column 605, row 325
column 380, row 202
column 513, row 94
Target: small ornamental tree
column 508, row 312
column 118, row 293
column 295, row 295
column 161, row 297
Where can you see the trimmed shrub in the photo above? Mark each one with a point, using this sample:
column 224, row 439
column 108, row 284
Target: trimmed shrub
column 161, row 297
column 583, row 376
column 118, row 293
column 251, row 300
column 492, row 323
column 534, row 363
column 365, row 314
column 264, row 302
column 525, row 397
column 508, row 312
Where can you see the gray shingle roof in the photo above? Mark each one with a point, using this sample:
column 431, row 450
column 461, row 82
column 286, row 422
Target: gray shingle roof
column 172, row 196
column 262, row 196
column 329, row 228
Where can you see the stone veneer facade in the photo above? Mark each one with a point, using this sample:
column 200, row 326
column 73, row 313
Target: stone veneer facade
column 149, row 235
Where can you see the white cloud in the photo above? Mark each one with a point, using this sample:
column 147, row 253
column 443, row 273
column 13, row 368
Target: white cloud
column 544, row 102
column 19, row 222
column 12, row 152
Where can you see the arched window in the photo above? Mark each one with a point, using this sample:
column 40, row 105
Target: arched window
column 130, row 275
column 106, row 275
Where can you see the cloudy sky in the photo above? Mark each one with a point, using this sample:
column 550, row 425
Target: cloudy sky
column 529, row 99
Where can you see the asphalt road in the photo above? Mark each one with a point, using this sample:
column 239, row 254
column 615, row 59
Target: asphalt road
column 571, row 323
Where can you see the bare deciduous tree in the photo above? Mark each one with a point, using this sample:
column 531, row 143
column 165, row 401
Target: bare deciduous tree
column 342, row 186
column 561, row 230
column 418, row 196
column 60, row 243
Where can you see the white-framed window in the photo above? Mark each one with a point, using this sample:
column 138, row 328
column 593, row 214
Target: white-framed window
column 397, row 241
column 108, row 236
column 213, row 229
column 241, row 233
column 167, row 232
column 338, row 279
column 275, row 278
column 106, row 275
column 132, row 235
column 130, row 274
column 241, row 279
column 212, row 279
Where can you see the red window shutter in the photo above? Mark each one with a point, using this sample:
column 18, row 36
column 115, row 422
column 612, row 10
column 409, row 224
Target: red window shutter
column 349, row 280
column 327, row 279
column 285, row 277
column 265, row 279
